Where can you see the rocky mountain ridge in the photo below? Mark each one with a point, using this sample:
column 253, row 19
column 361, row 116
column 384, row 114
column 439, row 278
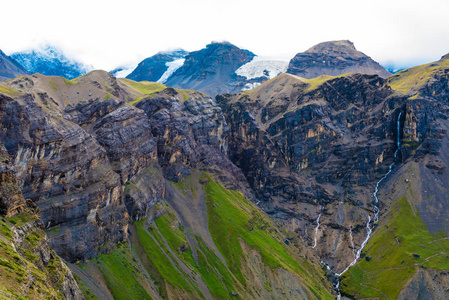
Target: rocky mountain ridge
column 9, row 68
column 152, row 180
column 224, row 68
column 211, row 70
column 334, row 58
column 104, row 159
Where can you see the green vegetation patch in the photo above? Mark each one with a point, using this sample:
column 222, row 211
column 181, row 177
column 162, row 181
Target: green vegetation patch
column 217, row 277
column 232, row 218
column 88, row 295
column 157, row 253
column 69, row 82
column 122, row 274
column 22, row 218
column 16, row 265
column 214, row 273
column 9, row 91
column 144, row 87
column 396, row 250
column 410, row 80
column 317, row 81
column 53, row 85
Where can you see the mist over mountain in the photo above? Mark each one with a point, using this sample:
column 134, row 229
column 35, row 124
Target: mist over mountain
column 51, row 61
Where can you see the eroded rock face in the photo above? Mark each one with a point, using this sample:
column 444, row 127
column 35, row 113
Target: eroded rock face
column 11, row 199
column 94, row 165
column 27, row 243
column 303, row 148
column 125, row 134
column 66, row 172
column 334, row 58
column 190, row 133
column 425, row 140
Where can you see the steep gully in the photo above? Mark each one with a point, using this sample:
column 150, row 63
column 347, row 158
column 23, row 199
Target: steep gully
column 369, row 227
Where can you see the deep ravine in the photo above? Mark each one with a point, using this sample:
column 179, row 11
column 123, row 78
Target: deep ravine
column 369, row 226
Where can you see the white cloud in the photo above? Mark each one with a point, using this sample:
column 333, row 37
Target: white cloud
column 106, row 34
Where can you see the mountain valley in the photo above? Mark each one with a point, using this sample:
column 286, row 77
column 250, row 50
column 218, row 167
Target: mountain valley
column 177, row 182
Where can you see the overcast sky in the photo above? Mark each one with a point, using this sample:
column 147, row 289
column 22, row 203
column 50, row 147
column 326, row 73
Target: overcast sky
column 106, row 34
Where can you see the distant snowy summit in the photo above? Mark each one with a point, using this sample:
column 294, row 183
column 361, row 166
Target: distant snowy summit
column 159, row 67
column 222, row 67
column 52, row 61
column 211, row 70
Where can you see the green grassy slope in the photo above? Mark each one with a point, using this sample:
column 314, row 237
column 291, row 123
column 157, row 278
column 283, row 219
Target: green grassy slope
column 23, row 275
column 181, row 264
column 410, row 80
column 396, row 250
column 232, row 219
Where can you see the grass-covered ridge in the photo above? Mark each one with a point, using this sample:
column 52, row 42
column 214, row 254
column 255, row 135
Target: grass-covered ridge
column 410, row 80
column 144, row 87
column 396, row 250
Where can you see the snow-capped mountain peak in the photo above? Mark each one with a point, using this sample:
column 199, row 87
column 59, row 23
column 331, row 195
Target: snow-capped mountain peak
column 50, row 60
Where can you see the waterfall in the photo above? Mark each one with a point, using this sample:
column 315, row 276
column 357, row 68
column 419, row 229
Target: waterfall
column 317, row 226
column 369, row 228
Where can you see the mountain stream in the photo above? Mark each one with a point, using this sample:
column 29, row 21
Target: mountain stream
column 369, row 227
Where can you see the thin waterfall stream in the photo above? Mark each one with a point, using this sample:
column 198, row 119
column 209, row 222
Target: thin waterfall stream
column 376, row 211
column 317, row 226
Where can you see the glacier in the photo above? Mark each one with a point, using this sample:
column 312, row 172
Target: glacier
column 263, row 67
column 172, row 67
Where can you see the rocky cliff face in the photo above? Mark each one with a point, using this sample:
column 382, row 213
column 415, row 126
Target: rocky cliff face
column 9, row 68
column 167, row 174
column 66, row 172
column 98, row 168
column 311, row 147
column 411, row 241
column 211, row 70
column 334, row 58
column 29, row 267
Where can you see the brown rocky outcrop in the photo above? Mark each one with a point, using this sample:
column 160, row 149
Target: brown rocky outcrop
column 334, row 58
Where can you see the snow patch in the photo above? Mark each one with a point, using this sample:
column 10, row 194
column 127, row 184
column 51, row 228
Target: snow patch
column 172, row 67
column 250, row 86
column 124, row 71
column 262, row 67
